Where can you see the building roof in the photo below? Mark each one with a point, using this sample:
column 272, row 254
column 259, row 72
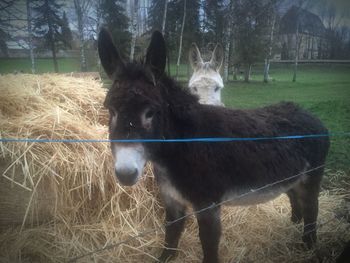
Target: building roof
column 20, row 44
column 309, row 23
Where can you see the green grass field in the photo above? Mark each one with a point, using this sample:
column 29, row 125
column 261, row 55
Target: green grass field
column 322, row 89
column 9, row 65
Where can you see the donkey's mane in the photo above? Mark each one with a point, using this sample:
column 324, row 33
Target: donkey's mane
column 175, row 96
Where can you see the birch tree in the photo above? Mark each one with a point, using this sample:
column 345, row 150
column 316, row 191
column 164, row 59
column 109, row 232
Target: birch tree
column 297, row 47
column 181, row 38
column 269, row 51
column 164, row 16
column 134, row 5
column 82, row 8
column 30, row 36
column 228, row 40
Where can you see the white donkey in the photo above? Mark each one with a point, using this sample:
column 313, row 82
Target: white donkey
column 206, row 80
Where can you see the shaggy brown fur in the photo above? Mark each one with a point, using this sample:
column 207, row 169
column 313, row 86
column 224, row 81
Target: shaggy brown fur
column 205, row 173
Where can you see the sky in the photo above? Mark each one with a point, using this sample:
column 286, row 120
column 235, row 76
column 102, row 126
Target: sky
column 342, row 8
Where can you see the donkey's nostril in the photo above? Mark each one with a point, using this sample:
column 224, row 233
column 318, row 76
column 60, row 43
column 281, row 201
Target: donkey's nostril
column 128, row 176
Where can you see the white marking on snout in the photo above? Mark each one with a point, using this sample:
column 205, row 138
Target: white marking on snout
column 129, row 158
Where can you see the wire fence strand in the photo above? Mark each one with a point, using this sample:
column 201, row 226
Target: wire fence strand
column 181, row 140
column 196, row 212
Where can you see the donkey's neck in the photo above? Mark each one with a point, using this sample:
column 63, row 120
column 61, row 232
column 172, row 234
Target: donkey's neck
column 179, row 104
column 175, row 95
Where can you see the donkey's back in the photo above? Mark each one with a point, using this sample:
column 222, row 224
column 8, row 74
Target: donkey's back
column 248, row 164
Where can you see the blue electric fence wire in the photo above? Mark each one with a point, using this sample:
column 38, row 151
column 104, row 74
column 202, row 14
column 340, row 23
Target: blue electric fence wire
column 185, row 140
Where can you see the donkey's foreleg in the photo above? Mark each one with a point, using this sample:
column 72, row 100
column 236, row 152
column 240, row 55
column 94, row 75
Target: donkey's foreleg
column 173, row 229
column 209, row 232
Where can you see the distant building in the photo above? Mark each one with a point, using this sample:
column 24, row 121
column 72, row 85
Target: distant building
column 311, row 34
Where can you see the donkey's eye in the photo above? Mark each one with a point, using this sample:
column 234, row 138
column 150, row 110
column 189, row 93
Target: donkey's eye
column 195, row 89
column 149, row 114
column 217, row 89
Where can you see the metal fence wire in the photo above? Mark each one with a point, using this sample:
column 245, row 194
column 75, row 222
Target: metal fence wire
column 188, row 140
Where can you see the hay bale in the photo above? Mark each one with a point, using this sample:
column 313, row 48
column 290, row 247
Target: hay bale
column 94, row 75
column 60, row 200
column 19, row 203
column 50, row 106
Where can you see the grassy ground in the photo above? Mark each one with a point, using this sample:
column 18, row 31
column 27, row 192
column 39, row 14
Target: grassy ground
column 9, row 65
column 323, row 89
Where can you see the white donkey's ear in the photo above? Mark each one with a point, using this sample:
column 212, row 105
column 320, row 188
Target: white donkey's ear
column 195, row 58
column 217, row 57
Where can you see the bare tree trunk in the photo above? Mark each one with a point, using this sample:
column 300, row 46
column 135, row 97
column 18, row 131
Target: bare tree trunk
column 79, row 12
column 30, row 36
column 164, row 16
column 228, row 42
column 181, row 37
column 235, row 72
column 163, row 30
column 247, row 72
column 51, row 39
column 296, row 53
column 268, row 57
column 133, row 13
column 98, row 13
column 250, row 72
column 227, row 53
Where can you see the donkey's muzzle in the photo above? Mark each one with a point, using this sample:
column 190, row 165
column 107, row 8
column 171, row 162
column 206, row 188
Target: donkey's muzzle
column 129, row 162
column 127, row 177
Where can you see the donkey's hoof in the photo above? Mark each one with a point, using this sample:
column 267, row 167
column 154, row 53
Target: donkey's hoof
column 166, row 256
column 310, row 240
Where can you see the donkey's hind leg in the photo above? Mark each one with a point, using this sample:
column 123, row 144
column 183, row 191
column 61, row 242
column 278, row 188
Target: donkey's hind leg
column 209, row 232
column 307, row 192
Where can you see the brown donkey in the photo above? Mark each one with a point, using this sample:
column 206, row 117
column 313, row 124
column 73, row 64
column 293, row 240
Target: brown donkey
column 146, row 104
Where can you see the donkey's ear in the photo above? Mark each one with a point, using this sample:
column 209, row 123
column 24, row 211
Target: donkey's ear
column 195, row 57
column 156, row 54
column 109, row 56
column 217, row 57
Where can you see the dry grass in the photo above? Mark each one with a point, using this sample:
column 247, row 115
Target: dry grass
column 60, row 200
